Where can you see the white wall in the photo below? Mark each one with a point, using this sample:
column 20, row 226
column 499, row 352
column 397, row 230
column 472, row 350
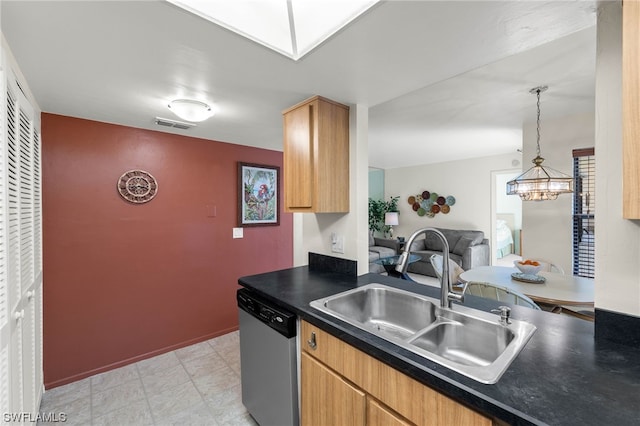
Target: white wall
column 469, row 181
column 617, row 240
column 547, row 227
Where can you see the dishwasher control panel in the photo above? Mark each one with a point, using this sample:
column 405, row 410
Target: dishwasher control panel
column 279, row 319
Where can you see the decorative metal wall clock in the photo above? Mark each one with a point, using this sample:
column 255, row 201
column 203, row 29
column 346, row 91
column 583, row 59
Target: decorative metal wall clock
column 137, row 186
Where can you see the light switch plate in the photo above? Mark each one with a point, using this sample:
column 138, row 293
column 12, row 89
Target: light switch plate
column 238, row 232
column 337, row 243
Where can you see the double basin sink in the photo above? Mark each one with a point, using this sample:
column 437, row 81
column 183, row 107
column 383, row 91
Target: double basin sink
column 471, row 342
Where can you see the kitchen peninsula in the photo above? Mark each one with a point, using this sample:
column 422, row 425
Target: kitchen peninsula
column 561, row 377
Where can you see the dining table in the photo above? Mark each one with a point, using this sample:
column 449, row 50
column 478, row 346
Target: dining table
column 557, row 289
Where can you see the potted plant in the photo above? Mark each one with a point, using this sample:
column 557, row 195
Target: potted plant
column 377, row 209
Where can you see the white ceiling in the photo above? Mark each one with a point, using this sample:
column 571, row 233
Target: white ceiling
column 443, row 80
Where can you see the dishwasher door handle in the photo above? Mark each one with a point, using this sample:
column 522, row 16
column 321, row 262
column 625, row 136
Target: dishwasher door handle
column 312, row 341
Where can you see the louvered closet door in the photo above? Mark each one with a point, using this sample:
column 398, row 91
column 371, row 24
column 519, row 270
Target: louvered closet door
column 12, row 229
column 6, row 331
column 22, row 228
column 27, row 276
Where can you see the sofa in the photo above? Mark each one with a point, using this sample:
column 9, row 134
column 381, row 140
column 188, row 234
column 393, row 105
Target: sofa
column 379, row 248
column 469, row 249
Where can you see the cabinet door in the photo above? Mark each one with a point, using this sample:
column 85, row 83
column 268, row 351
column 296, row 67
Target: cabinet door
column 630, row 109
column 327, row 399
column 299, row 157
column 379, row 415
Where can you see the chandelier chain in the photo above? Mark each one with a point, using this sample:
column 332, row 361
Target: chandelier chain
column 538, row 123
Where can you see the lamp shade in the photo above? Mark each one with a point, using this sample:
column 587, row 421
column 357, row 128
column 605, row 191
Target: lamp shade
column 191, row 110
column 391, row 218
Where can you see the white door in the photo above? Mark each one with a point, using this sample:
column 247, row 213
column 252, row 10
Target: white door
column 20, row 255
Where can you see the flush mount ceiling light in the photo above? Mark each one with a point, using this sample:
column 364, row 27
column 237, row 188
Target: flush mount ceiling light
column 540, row 183
column 191, row 110
column 290, row 27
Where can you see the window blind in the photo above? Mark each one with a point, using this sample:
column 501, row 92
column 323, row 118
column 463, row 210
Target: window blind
column 584, row 174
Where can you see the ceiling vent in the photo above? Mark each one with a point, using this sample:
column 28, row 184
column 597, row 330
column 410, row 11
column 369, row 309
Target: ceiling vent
column 173, row 123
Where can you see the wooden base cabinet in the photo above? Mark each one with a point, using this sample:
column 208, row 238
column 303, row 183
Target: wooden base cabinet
column 316, row 157
column 327, row 399
column 342, row 385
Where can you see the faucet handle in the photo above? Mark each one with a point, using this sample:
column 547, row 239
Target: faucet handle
column 505, row 313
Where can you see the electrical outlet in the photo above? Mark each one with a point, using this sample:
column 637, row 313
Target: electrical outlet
column 337, row 243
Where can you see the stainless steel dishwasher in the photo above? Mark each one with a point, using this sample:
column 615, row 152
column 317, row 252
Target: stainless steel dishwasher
column 268, row 360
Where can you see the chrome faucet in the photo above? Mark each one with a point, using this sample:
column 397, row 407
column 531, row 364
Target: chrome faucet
column 446, row 291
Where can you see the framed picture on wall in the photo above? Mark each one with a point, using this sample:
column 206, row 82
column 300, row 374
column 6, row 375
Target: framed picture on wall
column 259, row 195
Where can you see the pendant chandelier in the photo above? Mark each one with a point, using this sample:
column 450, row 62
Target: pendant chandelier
column 540, row 183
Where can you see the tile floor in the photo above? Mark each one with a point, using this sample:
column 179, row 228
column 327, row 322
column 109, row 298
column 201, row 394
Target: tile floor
column 195, row 385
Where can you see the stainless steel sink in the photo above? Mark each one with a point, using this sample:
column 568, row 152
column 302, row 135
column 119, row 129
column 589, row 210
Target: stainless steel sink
column 469, row 341
column 382, row 310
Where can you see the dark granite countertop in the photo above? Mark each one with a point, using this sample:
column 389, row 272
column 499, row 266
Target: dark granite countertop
column 561, row 377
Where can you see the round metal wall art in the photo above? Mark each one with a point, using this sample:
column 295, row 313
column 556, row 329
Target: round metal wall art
column 137, row 186
column 429, row 204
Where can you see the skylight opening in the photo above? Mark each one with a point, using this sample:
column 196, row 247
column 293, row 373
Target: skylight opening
column 290, row 27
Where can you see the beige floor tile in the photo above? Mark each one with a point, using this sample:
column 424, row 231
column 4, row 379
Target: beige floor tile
column 226, row 403
column 237, row 420
column 76, row 412
column 116, row 397
column 157, row 363
column 109, row 379
column 65, row 394
column 227, row 396
column 218, row 381
column 226, row 340
column 235, row 366
column 194, row 351
column 165, row 380
column 136, row 414
column 174, row 401
column 204, row 365
column 230, row 354
column 198, row 415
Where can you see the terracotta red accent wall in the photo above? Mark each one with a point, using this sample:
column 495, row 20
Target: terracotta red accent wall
column 123, row 282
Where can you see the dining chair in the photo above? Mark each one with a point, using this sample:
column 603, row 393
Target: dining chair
column 549, row 266
column 437, row 260
column 503, row 294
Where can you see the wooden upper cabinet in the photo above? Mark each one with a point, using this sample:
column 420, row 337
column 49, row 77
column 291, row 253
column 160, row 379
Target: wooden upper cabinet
column 631, row 109
column 316, row 157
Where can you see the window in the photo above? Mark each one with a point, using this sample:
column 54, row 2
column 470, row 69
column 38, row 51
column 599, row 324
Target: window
column 584, row 174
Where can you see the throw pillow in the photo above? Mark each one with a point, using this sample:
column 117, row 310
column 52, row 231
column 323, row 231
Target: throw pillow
column 462, row 245
column 432, row 242
column 372, row 241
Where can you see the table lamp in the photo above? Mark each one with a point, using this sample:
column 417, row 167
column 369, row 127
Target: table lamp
column 390, row 219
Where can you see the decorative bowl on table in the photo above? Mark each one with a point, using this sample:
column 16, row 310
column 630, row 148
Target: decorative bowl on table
column 528, row 267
